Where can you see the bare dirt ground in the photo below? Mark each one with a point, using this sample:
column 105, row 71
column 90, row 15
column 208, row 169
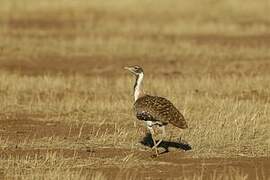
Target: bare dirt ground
column 66, row 102
column 172, row 164
column 176, row 164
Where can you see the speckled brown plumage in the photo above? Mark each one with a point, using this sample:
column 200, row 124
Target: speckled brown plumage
column 159, row 110
column 155, row 111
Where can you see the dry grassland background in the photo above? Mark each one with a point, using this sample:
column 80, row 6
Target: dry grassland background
column 66, row 102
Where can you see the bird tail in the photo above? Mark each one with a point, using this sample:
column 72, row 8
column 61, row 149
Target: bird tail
column 180, row 123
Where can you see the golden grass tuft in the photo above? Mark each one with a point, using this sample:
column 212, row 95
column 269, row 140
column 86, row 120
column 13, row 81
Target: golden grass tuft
column 66, row 102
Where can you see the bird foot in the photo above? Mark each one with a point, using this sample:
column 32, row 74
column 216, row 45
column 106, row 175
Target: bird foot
column 154, row 155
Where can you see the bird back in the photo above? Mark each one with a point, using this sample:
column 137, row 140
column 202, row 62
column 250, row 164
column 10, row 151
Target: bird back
column 154, row 108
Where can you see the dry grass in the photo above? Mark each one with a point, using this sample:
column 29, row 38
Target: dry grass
column 61, row 66
column 231, row 110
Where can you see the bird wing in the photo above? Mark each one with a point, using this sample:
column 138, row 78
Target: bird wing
column 154, row 108
column 144, row 116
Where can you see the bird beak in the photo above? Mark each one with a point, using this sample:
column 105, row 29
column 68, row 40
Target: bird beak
column 128, row 68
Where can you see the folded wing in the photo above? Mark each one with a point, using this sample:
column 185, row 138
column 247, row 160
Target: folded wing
column 154, row 108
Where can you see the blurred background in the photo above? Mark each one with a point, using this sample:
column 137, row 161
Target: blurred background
column 66, row 102
column 97, row 37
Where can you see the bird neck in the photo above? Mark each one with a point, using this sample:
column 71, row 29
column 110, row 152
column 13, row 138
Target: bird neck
column 138, row 87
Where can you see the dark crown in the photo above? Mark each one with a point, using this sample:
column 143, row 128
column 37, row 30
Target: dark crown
column 137, row 69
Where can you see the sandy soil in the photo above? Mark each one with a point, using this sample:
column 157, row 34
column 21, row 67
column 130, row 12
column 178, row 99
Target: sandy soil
column 25, row 51
column 172, row 164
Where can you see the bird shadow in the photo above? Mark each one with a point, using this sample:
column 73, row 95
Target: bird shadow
column 148, row 141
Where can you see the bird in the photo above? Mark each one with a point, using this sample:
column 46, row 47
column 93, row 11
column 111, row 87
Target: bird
column 155, row 111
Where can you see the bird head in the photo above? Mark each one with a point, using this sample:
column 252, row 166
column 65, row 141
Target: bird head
column 136, row 70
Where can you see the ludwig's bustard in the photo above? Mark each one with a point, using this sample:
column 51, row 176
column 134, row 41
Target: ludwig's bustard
column 154, row 110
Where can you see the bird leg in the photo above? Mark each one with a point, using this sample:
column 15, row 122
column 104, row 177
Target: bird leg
column 153, row 138
column 163, row 136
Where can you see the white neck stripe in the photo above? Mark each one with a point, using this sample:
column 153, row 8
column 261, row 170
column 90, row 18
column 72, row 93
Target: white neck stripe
column 138, row 86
